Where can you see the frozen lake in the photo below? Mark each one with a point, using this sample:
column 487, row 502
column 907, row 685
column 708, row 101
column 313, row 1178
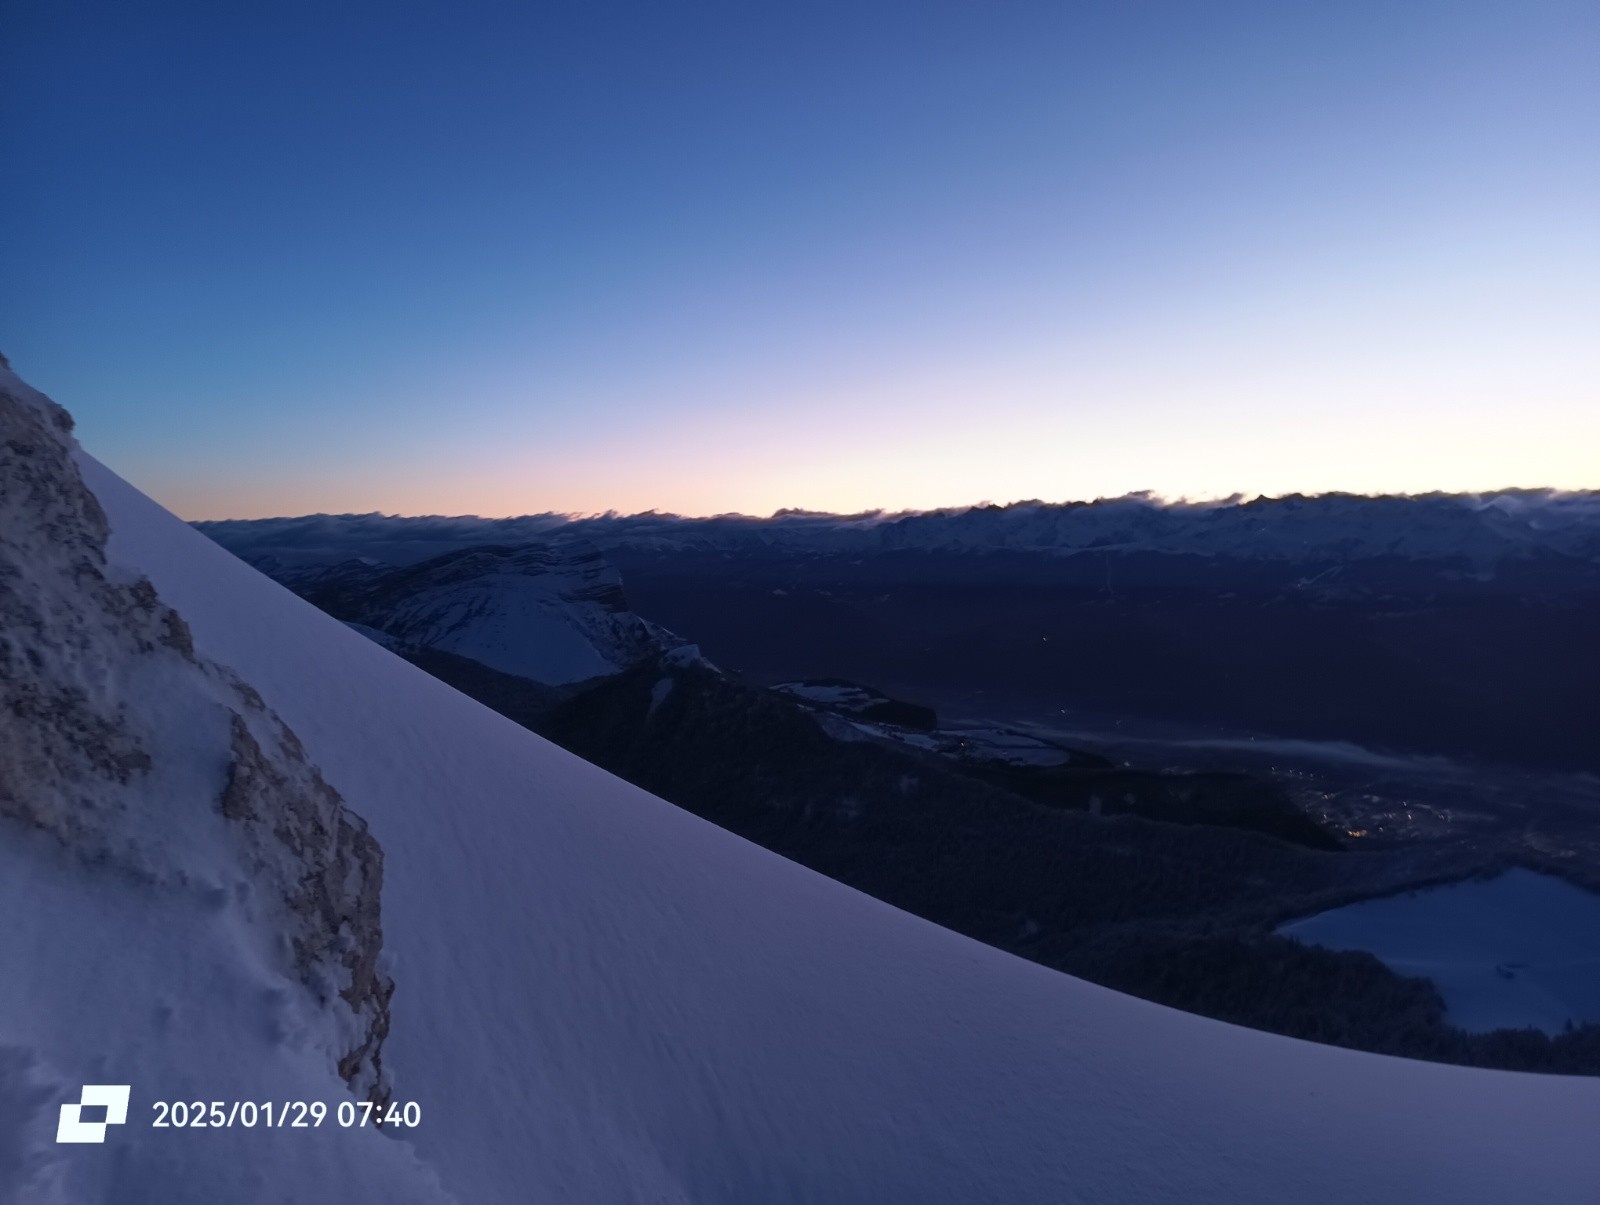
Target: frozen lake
column 1522, row 949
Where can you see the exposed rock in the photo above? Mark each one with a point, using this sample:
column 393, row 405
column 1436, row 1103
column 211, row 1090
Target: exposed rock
column 283, row 804
column 107, row 711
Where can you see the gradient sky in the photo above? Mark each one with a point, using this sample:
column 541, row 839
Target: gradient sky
column 503, row 258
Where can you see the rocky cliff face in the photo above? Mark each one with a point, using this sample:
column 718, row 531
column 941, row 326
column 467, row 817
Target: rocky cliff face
column 143, row 758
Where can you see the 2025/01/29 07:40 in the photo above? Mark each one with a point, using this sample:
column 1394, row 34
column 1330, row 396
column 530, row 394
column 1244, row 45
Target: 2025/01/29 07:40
column 282, row 1115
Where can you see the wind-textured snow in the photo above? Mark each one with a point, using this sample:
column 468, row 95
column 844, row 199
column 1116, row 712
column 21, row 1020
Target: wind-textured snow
column 603, row 999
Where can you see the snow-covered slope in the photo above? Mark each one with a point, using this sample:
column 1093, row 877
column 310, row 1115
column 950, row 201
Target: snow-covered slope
column 600, row 998
column 1478, row 529
column 551, row 612
column 186, row 906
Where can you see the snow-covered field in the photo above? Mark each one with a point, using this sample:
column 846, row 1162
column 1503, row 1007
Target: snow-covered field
column 1521, row 949
column 603, row 999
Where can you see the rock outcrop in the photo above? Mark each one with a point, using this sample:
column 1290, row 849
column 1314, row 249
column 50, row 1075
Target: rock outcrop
column 138, row 754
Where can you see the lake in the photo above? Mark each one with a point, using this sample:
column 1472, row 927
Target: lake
column 1521, row 949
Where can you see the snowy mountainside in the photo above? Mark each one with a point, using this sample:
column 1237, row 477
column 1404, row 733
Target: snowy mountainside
column 1478, row 530
column 169, row 859
column 552, row 612
column 601, row 998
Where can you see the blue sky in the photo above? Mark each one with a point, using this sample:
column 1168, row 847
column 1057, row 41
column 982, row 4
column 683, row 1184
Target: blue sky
column 500, row 258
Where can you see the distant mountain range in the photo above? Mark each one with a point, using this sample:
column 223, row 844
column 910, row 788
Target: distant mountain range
column 1474, row 531
column 1439, row 624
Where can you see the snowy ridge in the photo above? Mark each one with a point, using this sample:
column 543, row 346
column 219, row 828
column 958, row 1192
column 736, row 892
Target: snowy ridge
column 554, row 613
column 1480, row 529
column 604, row 999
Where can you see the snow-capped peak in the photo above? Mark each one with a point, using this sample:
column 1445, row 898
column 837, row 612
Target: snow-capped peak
column 552, row 612
column 1478, row 529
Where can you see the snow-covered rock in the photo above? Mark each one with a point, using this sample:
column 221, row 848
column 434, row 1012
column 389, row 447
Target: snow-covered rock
column 850, row 699
column 139, row 777
column 554, row 613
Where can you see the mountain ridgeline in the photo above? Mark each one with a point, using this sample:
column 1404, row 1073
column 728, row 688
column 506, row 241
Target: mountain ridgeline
column 1481, row 532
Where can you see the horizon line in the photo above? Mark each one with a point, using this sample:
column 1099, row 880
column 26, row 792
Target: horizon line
column 1153, row 498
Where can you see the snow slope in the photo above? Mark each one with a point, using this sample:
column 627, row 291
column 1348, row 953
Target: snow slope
column 185, row 905
column 600, row 998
